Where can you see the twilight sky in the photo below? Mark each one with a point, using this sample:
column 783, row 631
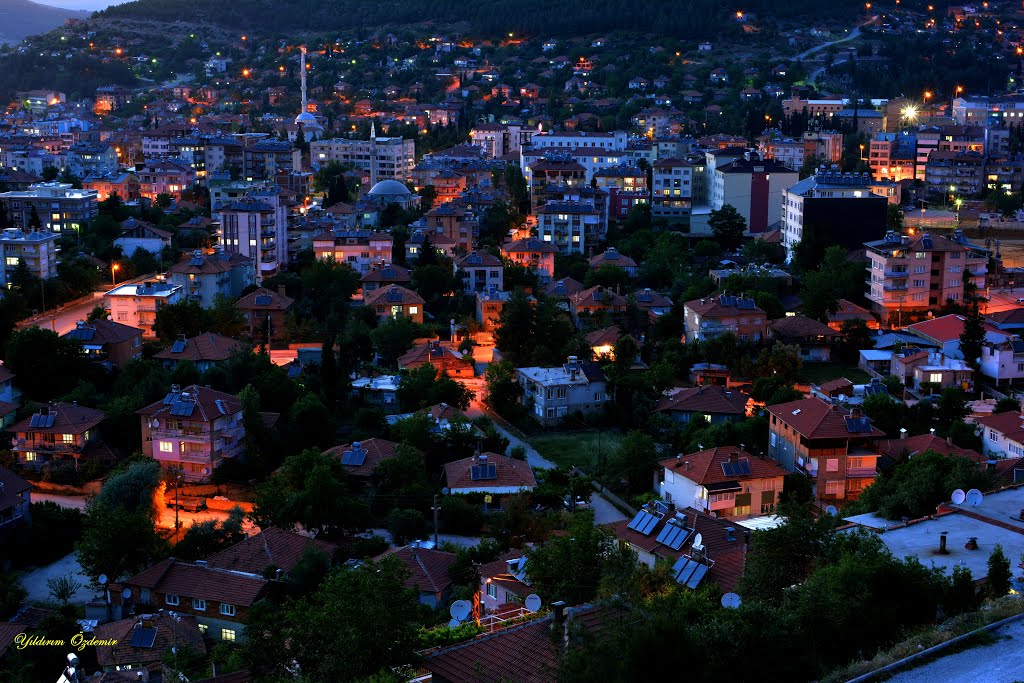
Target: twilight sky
column 81, row 4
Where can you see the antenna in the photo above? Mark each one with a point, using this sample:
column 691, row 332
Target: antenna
column 533, row 602
column 731, row 601
column 958, row 497
column 459, row 610
column 974, row 497
column 832, row 510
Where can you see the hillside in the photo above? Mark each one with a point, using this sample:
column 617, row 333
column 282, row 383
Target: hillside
column 20, row 18
column 483, row 17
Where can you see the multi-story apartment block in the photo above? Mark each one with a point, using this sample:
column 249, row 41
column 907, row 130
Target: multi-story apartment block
column 37, row 250
column 837, row 448
column 983, row 111
column 754, row 187
column 265, row 158
column 911, row 274
column 726, row 481
column 203, row 277
column 91, row 158
column 455, row 222
column 555, row 393
column 58, row 206
column 382, row 157
column 136, row 305
column 165, row 177
column 672, row 190
column 893, row 156
column 256, row 226
column 193, row 430
column 481, row 272
column 569, row 225
column 58, row 431
column 840, row 209
column 714, row 316
column 825, row 109
column 615, row 140
column 208, row 154
column 535, row 254
column 593, row 161
column 360, row 249
column 499, row 139
column 959, row 174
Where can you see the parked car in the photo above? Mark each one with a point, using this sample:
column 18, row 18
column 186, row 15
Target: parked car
column 581, row 503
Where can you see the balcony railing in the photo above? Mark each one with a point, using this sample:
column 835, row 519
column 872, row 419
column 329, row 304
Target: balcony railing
column 46, row 447
column 187, row 456
column 183, row 434
column 860, row 471
column 895, row 287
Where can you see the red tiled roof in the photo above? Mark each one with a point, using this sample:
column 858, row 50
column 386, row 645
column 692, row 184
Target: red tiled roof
column 947, row 328
column 529, row 244
column 388, row 273
column 377, row 451
column 5, row 374
column 511, row 473
column 208, row 346
column 1013, row 316
column 611, row 258
column 848, row 310
column 8, row 631
column 269, row 548
column 705, row 398
column 570, row 287
column 278, row 302
column 380, row 295
column 524, row 654
column 706, row 466
column 598, row 296
column 818, row 419
column 443, row 411
column 69, row 419
column 438, row 354
column 485, row 260
column 197, row 581
column 170, row 632
column 211, row 404
column 925, row 442
column 835, row 385
column 605, row 335
column 1010, row 424
column 709, row 307
column 799, row 326
column 107, row 332
column 428, row 569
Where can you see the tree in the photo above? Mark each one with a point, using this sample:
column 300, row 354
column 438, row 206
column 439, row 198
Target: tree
column 203, row 539
column 962, row 595
column 55, row 364
column 515, row 333
column 894, row 218
column 974, row 330
column 310, row 424
column 406, row 525
column 635, row 460
column 423, row 387
column 998, row 573
column 503, row 391
column 392, row 338
column 728, row 226
column 12, row 593
column 185, row 318
column 63, row 588
column 569, row 567
column 34, row 223
column 116, row 542
column 1008, row 404
column 97, row 313
column 330, row 180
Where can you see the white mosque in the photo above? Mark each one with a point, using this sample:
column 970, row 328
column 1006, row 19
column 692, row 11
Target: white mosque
column 311, row 128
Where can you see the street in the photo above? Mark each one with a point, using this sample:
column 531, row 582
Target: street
column 166, row 520
column 35, row 581
column 63, row 320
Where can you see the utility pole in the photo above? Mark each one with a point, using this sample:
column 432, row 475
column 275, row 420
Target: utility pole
column 437, row 509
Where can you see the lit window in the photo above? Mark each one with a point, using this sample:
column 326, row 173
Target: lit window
column 166, row 447
column 413, row 310
column 202, row 628
column 67, row 438
column 227, row 634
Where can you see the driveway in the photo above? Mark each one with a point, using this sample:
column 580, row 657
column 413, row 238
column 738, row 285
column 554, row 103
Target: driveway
column 35, row 581
column 536, row 460
column 1001, row 662
column 604, row 511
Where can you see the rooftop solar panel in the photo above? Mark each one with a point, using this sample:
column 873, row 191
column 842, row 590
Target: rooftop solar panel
column 700, row 571
column 481, row 472
column 178, row 346
column 353, row 458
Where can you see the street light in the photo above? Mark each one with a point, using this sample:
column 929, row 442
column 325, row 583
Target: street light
column 114, row 267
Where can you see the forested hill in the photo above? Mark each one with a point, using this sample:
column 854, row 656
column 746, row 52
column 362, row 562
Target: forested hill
column 681, row 18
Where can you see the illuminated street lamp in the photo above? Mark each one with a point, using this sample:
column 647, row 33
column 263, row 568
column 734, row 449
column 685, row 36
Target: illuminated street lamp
column 909, row 113
column 114, row 267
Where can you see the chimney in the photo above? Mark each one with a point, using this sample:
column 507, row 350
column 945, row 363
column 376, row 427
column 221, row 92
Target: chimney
column 942, row 543
column 903, row 432
column 949, row 440
column 734, row 457
column 280, row 290
column 679, row 461
column 558, row 610
column 687, row 465
column 972, row 543
column 730, row 533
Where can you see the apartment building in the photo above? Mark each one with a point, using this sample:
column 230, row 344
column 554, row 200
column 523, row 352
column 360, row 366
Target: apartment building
column 382, row 157
column 552, row 394
column 841, row 208
column 713, row 316
column 570, row 225
column 165, row 177
column 395, row 301
column 726, row 481
column 136, row 305
column 256, row 227
column 755, row 187
column 481, row 272
column 837, row 448
column 893, row 156
column 37, row 250
column 499, row 139
column 57, row 431
column 535, row 254
column 911, row 274
column 58, row 206
column 360, row 249
column 193, row 430
column 957, row 175
column 205, row 276
column 672, row 190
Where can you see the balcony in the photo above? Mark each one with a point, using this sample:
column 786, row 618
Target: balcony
column 895, row 286
column 860, row 472
column 892, row 272
column 184, row 434
column 199, row 457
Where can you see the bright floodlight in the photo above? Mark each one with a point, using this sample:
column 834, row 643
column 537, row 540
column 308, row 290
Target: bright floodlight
column 909, row 112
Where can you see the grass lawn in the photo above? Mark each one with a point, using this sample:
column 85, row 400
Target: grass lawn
column 578, row 449
column 816, row 373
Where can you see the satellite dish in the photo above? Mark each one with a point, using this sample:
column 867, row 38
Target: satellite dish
column 102, row 579
column 958, row 497
column 206, row 471
column 533, row 602
column 832, row 510
column 454, row 623
column 126, row 593
column 154, row 424
column 974, row 497
column 460, row 609
column 698, row 539
column 731, row 601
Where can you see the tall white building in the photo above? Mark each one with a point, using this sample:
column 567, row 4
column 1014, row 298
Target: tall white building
column 38, row 250
column 256, row 226
column 383, row 158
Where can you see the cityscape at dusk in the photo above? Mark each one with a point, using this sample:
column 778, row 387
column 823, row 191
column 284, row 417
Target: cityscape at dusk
column 511, row 342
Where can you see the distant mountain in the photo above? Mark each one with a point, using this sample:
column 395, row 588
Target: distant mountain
column 690, row 18
column 20, row 18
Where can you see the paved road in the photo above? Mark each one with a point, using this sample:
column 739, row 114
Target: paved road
column 604, row 511
column 817, row 48
column 1002, row 662
column 166, row 520
column 35, row 581
column 63, row 320
column 536, row 460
